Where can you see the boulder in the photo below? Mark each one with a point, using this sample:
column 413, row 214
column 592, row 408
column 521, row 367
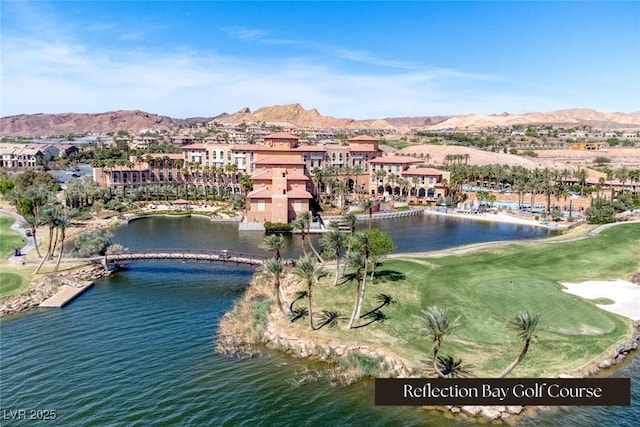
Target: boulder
column 471, row 410
column 490, row 413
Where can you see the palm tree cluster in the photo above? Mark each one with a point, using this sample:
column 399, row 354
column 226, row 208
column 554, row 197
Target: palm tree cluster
column 437, row 324
column 359, row 250
column 333, row 183
column 554, row 183
column 40, row 207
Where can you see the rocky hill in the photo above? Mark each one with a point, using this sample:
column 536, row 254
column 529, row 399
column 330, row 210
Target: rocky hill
column 295, row 115
column 66, row 123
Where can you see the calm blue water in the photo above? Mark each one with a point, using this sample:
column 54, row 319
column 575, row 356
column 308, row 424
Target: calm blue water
column 138, row 349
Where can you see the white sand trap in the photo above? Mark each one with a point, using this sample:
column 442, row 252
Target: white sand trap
column 625, row 294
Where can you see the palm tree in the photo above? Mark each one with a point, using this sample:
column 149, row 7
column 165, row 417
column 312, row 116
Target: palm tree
column 62, row 224
column 317, row 177
column 349, row 220
column 307, row 270
column 273, row 242
column 33, row 222
column 524, row 325
column 340, row 189
column 437, row 325
column 334, row 240
column 300, row 225
column 367, row 205
column 357, row 171
column 274, row 269
column 452, row 368
column 303, row 223
column 581, row 175
column 362, row 243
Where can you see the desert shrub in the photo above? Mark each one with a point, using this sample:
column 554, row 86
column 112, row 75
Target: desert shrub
column 277, row 227
column 89, row 244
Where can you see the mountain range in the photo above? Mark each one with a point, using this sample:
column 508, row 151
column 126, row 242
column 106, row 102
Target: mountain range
column 296, row 116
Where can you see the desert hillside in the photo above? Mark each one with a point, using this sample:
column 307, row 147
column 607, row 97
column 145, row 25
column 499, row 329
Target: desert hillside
column 552, row 159
column 66, row 123
column 572, row 117
column 296, row 116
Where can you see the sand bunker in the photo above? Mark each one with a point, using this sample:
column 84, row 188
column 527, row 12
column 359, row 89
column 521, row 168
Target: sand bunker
column 625, row 294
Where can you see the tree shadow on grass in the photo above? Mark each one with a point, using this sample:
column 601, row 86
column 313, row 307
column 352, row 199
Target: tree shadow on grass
column 374, row 316
column 390, row 275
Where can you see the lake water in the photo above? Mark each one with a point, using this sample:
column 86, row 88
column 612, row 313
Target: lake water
column 138, row 348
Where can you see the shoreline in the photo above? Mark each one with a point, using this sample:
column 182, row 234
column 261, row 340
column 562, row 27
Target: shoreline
column 503, row 218
column 236, row 339
column 275, row 335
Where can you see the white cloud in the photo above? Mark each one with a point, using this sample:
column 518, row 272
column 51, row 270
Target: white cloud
column 49, row 76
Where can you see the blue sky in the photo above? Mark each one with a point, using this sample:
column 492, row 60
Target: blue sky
column 347, row 59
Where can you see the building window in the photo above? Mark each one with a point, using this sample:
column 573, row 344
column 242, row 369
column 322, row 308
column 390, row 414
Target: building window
column 262, row 205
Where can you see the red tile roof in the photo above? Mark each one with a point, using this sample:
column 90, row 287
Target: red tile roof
column 280, row 135
column 194, row 147
column 296, row 175
column 262, row 175
column 422, row 172
column 296, row 193
column 364, row 148
column 310, row 148
column 279, row 161
column 260, row 193
column 394, row 160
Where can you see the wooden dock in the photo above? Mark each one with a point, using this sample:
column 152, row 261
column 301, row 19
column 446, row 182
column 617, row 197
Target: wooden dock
column 66, row 294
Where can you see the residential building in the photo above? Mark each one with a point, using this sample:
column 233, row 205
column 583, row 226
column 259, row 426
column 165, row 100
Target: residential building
column 22, row 156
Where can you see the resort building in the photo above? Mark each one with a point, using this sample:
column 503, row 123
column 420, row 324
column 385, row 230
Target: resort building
column 280, row 191
column 152, row 169
column 396, row 175
column 282, row 171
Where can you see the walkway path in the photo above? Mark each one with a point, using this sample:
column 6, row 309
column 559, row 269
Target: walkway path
column 17, row 227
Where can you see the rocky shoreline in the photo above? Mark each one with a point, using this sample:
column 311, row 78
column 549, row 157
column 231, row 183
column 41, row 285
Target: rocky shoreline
column 45, row 287
column 237, row 338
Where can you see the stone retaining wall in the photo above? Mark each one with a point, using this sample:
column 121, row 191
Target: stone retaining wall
column 45, row 287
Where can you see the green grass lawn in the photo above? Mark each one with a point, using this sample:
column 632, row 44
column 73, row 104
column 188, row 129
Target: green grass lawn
column 9, row 239
column 485, row 289
column 9, row 283
column 13, row 277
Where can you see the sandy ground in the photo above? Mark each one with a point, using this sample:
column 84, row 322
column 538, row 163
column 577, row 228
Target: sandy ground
column 553, row 159
column 625, row 294
column 498, row 217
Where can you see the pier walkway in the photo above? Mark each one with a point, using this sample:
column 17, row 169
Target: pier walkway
column 183, row 255
column 69, row 290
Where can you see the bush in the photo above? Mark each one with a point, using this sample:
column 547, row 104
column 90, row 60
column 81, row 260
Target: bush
column 90, row 244
column 277, row 227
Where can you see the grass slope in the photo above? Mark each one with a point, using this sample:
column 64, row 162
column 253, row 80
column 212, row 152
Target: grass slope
column 9, row 239
column 485, row 289
column 13, row 277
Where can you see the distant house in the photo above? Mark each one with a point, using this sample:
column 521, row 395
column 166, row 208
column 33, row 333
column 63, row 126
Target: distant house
column 21, row 156
column 66, row 150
